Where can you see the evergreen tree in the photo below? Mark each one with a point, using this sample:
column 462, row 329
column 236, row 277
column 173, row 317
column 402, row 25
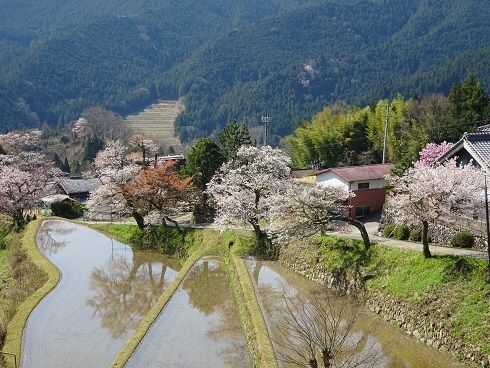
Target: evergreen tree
column 66, row 166
column 2, row 151
column 94, row 145
column 203, row 160
column 232, row 138
column 470, row 105
column 57, row 162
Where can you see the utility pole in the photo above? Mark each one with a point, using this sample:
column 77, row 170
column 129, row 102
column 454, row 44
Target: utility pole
column 488, row 226
column 266, row 119
column 387, row 117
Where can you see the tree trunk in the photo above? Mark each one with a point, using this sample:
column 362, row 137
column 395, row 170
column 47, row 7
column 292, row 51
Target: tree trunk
column 261, row 239
column 425, row 239
column 362, row 229
column 19, row 220
column 327, row 359
column 313, row 363
column 176, row 225
column 140, row 221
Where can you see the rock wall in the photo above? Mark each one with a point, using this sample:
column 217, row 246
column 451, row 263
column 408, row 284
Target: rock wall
column 442, row 234
column 424, row 322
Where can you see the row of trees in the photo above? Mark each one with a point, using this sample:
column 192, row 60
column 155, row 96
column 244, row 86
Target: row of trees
column 349, row 135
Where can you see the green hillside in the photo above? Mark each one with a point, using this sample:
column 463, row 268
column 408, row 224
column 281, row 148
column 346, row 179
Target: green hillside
column 233, row 60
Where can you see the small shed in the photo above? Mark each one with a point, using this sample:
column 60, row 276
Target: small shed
column 79, row 188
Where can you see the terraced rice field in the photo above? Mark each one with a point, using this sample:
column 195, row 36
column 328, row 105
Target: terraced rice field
column 158, row 123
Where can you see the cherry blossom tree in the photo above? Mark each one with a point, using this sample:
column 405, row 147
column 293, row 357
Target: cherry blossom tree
column 22, row 141
column 112, row 164
column 114, row 170
column 426, row 194
column 241, row 188
column 147, row 147
column 23, row 181
column 429, row 155
column 149, row 195
column 160, row 193
column 304, row 210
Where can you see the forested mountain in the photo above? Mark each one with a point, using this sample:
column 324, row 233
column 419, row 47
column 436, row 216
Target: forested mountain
column 293, row 65
column 229, row 59
column 64, row 56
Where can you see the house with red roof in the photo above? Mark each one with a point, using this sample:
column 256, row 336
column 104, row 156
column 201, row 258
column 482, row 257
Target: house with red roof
column 366, row 181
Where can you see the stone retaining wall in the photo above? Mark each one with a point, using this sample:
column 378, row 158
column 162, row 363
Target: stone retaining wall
column 442, row 234
column 421, row 322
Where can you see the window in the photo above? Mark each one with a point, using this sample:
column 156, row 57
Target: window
column 362, row 186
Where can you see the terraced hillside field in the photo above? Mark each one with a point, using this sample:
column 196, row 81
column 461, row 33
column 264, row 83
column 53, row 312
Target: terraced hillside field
column 158, row 123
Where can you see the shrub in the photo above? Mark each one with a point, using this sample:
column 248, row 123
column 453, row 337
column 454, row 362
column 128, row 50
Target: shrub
column 389, row 230
column 67, row 209
column 402, row 232
column 415, row 234
column 463, row 239
column 167, row 240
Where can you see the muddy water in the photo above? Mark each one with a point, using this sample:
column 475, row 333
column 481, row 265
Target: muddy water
column 104, row 292
column 199, row 328
column 390, row 347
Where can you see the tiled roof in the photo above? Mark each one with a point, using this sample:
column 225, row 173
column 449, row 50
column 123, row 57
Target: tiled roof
column 476, row 144
column 484, row 128
column 360, row 173
column 76, row 186
column 480, row 142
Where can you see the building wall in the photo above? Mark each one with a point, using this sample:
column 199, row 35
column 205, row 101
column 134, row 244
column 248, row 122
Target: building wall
column 373, row 184
column 374, row 199
column 330, row 179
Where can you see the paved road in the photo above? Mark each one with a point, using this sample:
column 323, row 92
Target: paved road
column 372, row 229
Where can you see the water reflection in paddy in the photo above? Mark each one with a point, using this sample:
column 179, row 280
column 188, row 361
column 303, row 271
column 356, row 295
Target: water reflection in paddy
column 200, row 326
column 104, row 292
column 393, row 348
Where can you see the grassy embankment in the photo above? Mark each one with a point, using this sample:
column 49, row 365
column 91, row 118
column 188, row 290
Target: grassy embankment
column 198, row 243
column 450, row 290
column 26, row 277
column 453, row 288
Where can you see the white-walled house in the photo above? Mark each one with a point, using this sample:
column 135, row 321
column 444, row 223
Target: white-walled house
column 366, row 181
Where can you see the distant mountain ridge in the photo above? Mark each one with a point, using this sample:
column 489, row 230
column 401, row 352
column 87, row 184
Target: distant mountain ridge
column 234, row 60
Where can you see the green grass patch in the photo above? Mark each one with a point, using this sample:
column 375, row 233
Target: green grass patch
column 38, row 275
column 4, row 274
column 120, row 232
column 406, row 274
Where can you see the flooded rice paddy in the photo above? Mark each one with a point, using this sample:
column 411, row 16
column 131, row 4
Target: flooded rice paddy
column 387, row 345
column 104, row 292
column 106, row 289
column 200, row 327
